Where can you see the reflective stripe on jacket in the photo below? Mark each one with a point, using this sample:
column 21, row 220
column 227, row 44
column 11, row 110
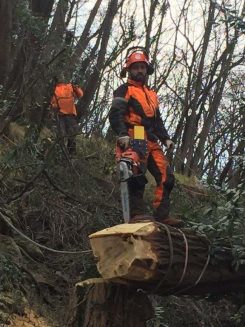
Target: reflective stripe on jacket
column 136, row 104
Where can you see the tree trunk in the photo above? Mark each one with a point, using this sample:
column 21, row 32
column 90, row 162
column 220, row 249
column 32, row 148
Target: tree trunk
column 191, row 126
column 42, row 8
column 164, row 260
column 84, row 39
column 6, row 19
column 105, row 304
column 94, row 78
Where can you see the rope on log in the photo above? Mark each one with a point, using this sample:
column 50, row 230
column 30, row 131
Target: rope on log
column 160, row 259
column 171, row 255
column 171, row 251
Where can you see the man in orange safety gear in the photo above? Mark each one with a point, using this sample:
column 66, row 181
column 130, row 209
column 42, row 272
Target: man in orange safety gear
column 135, row 104
column 63, row 103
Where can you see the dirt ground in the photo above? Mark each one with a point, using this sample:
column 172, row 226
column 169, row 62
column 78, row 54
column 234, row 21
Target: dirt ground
column 29, row 319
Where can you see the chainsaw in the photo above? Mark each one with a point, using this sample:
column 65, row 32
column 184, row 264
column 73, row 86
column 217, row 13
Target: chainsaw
column 125, row 172
column 130, row 166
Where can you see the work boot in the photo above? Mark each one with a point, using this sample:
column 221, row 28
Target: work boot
column 171, row 221
column 141, row 218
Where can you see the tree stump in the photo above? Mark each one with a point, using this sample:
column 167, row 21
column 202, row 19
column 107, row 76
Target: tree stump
column 105, row 304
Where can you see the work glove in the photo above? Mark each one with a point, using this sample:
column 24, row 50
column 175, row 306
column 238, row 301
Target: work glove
column 169, row 145
column 123, row 142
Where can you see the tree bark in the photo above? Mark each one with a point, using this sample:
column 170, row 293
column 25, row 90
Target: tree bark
column 84, row 39
column 164, row 260
column 42, row 8
column 92, row 83
column 6, row 19
column 191, row 121
column 105, row 304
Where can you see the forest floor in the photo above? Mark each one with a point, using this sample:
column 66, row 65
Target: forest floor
column 65, row 204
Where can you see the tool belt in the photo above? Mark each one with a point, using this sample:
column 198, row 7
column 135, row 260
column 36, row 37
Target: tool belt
column 138, row 142
column 148, row 129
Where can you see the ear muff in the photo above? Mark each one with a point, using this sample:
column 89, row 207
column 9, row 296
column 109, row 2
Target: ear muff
column 123, row 72
column 150, row 69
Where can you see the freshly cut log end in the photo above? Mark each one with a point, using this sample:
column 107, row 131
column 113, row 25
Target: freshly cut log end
column 122, row 251
column 143, row 251
column 161, row 259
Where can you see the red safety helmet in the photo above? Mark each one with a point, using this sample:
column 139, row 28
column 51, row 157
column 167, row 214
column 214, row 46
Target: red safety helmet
column 138, row 54
column 136, row 57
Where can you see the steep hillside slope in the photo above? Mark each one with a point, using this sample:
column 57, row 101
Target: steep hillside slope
column 57, row 203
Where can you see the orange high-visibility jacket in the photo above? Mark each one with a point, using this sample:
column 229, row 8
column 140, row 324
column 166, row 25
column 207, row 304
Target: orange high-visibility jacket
column 63, row 98
column 135, row 104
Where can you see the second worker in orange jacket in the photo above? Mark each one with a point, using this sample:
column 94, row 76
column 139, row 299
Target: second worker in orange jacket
column 63, row 103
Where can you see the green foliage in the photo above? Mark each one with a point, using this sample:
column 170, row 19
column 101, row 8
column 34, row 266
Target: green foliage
column 57, row 221
column 131, row 29
column 28, row 22
column 231, row 16
column 185, row 311
column 224, row 223
column 239, row 317
column 10, row 275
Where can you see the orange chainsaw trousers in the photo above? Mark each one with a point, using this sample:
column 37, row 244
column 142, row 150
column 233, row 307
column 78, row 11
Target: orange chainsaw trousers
column 157, row 164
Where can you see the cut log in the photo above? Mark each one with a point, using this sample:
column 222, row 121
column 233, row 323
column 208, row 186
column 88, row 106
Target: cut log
column 104, row 304
column 164, row 260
